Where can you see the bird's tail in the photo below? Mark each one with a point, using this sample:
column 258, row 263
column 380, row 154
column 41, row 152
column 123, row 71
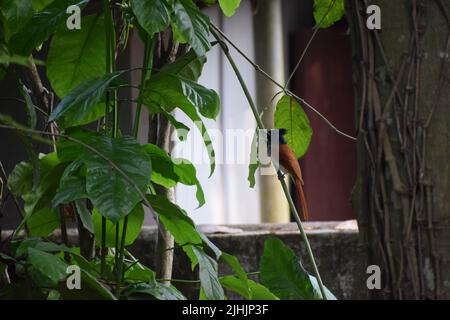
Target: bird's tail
column 301, row 199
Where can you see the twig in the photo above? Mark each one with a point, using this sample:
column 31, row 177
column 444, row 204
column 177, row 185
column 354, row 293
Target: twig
column 283, row 184
column 288, row 92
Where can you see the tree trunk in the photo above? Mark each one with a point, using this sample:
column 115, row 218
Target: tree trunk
column 401, row 77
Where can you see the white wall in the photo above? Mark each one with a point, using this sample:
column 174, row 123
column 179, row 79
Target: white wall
column 228, row 196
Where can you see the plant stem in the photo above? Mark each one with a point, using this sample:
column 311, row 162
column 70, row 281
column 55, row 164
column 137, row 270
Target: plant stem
column 283, row 184
column 147, row 64
column 286, row 91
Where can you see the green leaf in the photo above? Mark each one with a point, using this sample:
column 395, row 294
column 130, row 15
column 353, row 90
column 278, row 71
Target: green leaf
column 114, row 193
column 38, row 244
column 234, row 264
column 208, row 273
column 69, row 151
column 283, row 274
column 135, row 221
column 50, row 267
column 20, row 180
column 140, row 273
column 229, row 6
column 168, row 172
column 91, row 289
column 72, row 186
column 188, row 66
column 41, row 26
column 155, row 290
column 171, row 90
column 81, row 105
column 322, row 9
column 250, row 290
column 31, row 108
column 38, row 5
column 43, row 222
column 17, row 13
column 85, row 215
column 290, row 115
column 175, row 220
column 254, row 161
column 191, row 25
column 152, row 15
column 86, row 59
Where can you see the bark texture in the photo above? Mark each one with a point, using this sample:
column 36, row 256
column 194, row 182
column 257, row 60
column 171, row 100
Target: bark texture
column 401, row 77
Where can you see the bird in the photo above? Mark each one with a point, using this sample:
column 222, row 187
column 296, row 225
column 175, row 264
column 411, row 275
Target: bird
column 287, row 162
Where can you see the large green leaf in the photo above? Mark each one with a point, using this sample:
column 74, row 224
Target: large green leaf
column 168, row 172
column 17, row 13
column 81, row 105
column 229, row 6
column 114, row 193
column 290, row 115
column 50, row 268
column 171, row 90
column 328, row 15
column 134, row 225
column 188, row 66
column 283, row 274
column 250, row 290
column 208, row 273
column 191, row 25
column 43, row 222
column 20, row 180
column 41, row 26
column 175, row 220
column 66, row 69
column 72, row 185
column 234, row 264
column 152, row 15
column 154, row 290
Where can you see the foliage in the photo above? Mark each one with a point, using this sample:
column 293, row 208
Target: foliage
column 100, row 179
column 290, row 115
column 327, row 12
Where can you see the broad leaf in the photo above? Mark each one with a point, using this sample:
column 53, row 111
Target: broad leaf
column 191, row 25
column 188, row 66
column 155, row 290
column 328, row 11
column 115, row 193
column 283, row 274
column 17, row 13
column 85, row 215
column 85, row 60
column 41, row 26
column 208, row 273
column 152, row 15
column 290, row 115
column 175, row 220
column 171, row 90
column 168, row 172
column 250, row 290
column 50, row 267
column 229, row 6
column 81, row 105
column 134, row 225
column 72, row 185
column 43, row 222
column 234, row 264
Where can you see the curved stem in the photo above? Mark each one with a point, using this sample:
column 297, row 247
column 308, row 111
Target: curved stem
column 283, row 184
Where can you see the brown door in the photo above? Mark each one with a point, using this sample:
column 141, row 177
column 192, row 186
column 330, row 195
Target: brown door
column 324, row 79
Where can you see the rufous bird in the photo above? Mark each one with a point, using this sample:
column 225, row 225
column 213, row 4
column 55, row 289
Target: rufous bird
column 288, row 163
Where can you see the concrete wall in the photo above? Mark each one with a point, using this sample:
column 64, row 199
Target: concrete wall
column 341, row 261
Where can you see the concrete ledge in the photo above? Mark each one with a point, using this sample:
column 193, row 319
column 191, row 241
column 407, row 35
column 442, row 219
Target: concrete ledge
column 340, row 258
